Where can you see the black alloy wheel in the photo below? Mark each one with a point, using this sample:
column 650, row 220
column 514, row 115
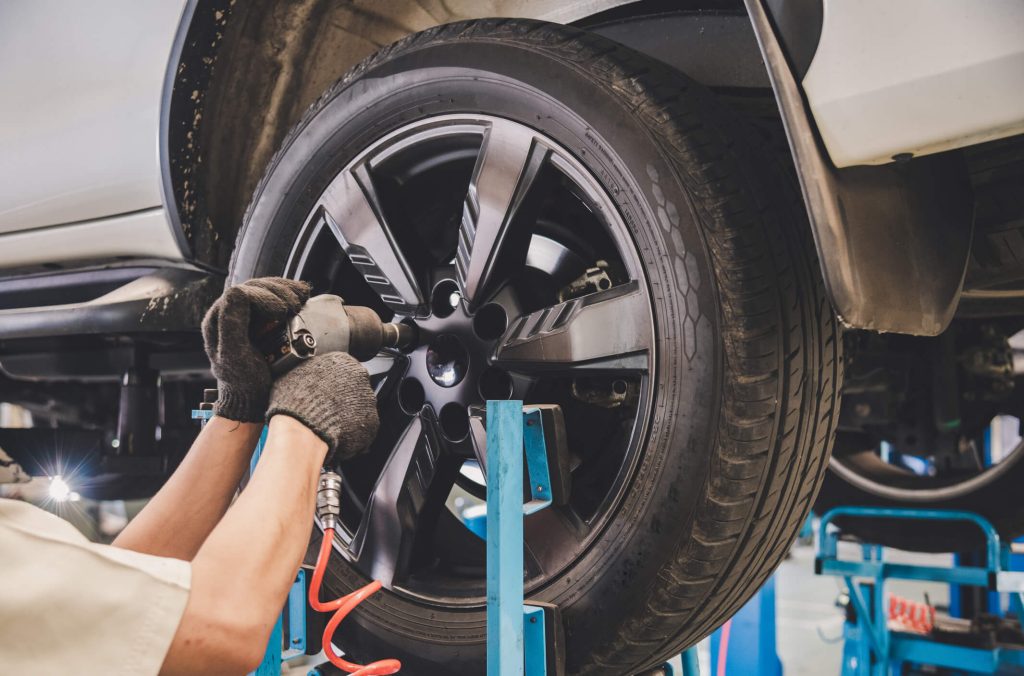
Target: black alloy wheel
column 538, row 241
column 980, row 485
column 931, row 423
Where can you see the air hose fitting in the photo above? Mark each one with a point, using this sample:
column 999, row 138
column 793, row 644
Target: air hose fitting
column 328, row 500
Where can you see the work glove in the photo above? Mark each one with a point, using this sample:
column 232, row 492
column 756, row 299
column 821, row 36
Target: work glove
column 331, row 395
column 243, row 375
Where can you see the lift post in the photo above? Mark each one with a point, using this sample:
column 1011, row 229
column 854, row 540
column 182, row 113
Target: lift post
column 521, row 638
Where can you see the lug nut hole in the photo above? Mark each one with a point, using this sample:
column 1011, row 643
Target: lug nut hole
column 411, row 396
column 445, row 298
column 490, row 322
column 495, row 384
column 454, row 421
column 447, row 360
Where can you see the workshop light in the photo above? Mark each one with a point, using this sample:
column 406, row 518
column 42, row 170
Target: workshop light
column 60, row 491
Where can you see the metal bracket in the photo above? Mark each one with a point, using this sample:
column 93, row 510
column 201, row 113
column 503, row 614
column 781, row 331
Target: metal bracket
column 536, row 461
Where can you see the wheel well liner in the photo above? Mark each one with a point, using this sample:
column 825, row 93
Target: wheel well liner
column 893, row 239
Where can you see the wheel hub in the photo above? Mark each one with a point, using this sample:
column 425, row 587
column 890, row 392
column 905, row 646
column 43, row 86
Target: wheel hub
column 451, row 364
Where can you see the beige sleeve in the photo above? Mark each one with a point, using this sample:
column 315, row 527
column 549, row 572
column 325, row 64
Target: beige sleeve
column 69, row 606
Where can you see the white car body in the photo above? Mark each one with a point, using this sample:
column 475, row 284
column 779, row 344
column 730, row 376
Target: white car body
column 79, row 119
column 915, row 77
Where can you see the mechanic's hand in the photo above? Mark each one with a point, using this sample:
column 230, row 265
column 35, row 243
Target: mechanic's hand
column 331, row 395
column 243, row 375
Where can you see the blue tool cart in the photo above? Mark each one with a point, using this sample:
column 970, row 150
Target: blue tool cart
column 871, row 648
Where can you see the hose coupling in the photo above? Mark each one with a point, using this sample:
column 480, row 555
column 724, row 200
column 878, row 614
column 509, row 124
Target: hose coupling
column 328, row 499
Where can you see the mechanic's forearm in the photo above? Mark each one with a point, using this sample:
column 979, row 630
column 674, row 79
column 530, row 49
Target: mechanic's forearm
column 242, row 573
column 184, row 512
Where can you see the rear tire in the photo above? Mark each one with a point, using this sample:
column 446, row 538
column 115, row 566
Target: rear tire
column 987, row 496
column 748, row 366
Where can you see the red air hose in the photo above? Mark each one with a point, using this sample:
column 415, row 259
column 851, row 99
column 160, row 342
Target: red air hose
column 343, row 607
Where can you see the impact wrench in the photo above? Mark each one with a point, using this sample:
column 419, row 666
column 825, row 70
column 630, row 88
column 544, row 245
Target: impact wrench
column 325, row 324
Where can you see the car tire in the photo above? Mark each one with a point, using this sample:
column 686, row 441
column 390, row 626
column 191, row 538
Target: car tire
column 747, row 364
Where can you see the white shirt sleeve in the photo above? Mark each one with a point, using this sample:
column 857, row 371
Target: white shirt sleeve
column 70, row 606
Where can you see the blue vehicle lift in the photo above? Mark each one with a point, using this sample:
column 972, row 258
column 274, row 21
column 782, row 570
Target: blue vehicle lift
column 871, row 648
column 522, row 637
column 517, row 640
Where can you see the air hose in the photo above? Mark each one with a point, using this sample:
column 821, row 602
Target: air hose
column 328, row 508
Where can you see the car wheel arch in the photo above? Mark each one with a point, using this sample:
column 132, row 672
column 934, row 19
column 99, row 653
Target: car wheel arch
column 238, row 79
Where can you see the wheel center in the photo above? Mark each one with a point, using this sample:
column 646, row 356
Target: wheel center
column 447, row 360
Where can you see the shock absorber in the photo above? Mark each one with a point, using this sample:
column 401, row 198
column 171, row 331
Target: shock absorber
column 328, row 509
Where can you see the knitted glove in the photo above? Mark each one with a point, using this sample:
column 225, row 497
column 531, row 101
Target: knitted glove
column 243, row 376
column 331, row 395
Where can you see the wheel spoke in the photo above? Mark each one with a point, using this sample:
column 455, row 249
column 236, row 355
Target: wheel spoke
column 603, row 331
column 383, row 367
column 478, row 437
column 298, row 262
column 510, row 161
column 531, row 562
column 548, row 531
column 475, row 444
column 353, row 213
column 404, row 505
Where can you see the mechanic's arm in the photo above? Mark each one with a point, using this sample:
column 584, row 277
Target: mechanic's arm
column 177, row 520
column 242, row 573
column 183, row 513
